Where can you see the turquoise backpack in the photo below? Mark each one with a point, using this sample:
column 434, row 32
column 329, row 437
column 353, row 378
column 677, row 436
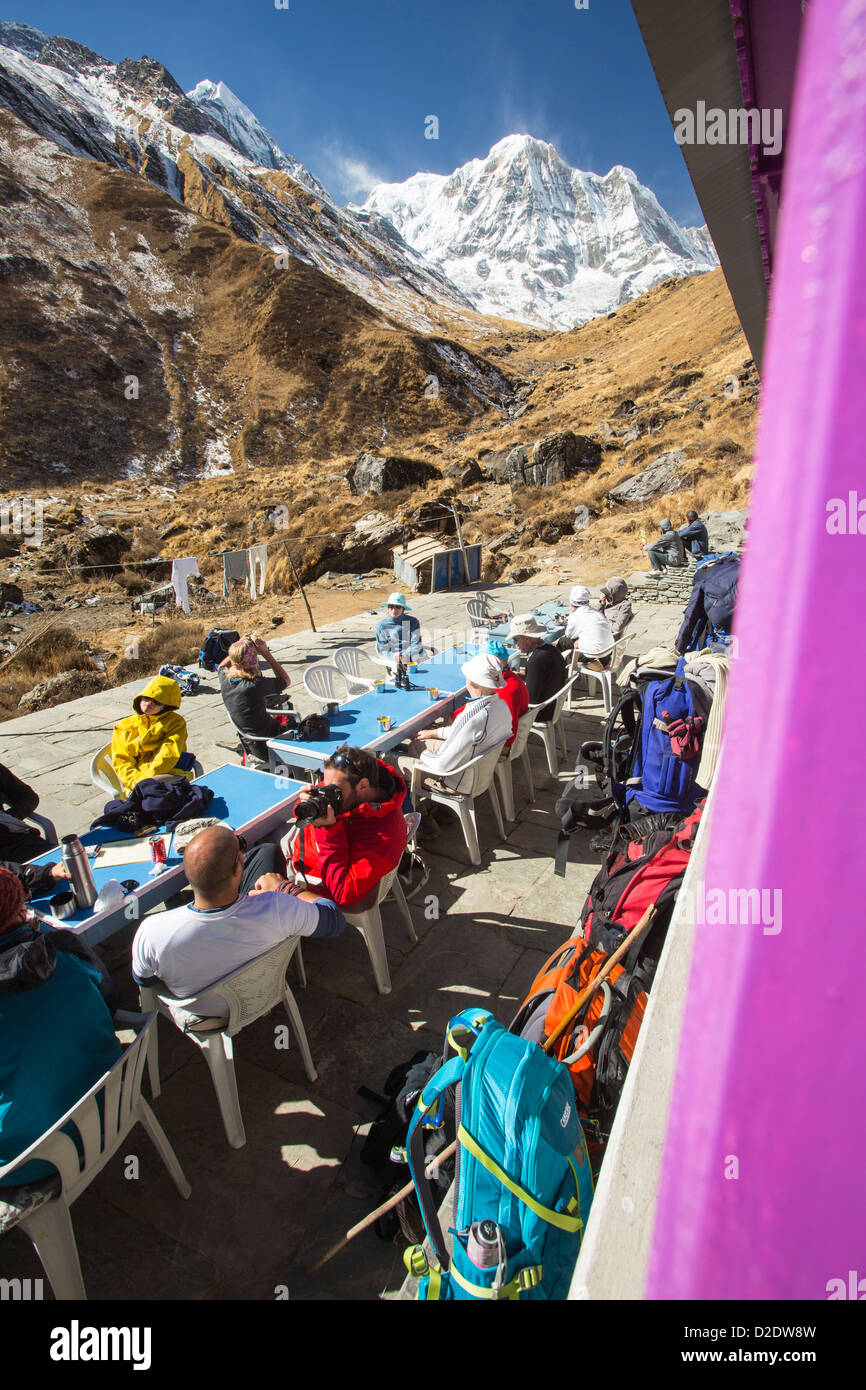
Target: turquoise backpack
column 522, row 1164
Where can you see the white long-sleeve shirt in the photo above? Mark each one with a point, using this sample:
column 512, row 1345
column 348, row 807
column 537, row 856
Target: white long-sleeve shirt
column 589, row 630
column 481, row 725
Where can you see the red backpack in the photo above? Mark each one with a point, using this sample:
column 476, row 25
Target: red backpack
column 598, row 1045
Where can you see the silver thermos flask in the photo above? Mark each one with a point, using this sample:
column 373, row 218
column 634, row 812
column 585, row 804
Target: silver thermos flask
column 77, row 867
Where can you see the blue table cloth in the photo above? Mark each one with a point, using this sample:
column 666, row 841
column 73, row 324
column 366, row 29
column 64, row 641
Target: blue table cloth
column 356, row 722
column 253, row 803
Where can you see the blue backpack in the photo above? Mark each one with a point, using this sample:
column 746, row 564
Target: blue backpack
column 523, row 1188
column 642, row 757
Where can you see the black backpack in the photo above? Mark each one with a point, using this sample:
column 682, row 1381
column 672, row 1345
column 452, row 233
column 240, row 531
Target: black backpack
column 215, row 647
column 384, row 1148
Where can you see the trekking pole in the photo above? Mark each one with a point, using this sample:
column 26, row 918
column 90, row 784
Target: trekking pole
column 380, row 1211
column 594, row 983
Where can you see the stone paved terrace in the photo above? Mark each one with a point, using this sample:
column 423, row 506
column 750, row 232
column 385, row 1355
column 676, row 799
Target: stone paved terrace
column 258, row 1216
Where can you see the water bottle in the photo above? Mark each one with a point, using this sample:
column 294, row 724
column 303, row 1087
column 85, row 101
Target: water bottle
column 483, row 1244
column 77, row 867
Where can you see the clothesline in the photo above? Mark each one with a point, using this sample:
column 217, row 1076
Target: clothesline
column 168, row 560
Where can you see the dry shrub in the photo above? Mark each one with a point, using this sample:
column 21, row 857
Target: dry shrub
column 174, row 643
column 54, row 650
column 132, row 583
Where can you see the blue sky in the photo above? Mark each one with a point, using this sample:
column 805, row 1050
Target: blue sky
column 345, row 85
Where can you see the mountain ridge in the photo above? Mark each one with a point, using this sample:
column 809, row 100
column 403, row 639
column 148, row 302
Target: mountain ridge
column 522, row 233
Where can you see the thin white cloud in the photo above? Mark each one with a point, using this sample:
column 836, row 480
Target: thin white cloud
column 347, row 177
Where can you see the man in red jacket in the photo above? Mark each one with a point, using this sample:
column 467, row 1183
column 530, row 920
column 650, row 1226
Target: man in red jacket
column 349, row 853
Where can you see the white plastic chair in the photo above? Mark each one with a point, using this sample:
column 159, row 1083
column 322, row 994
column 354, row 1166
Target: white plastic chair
column 103, row 1119
column 478, row 614
column 603, row 678
column 249, row 993
column 323, row 683
column 484, row 768
column 504, row 775
column 551, row 729
column 249, row 758
column 103, row 775
column 347, row 662
column 366, row 917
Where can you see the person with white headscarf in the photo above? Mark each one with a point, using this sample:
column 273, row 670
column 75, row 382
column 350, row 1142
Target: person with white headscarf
column 484, row 722
column 587, row 628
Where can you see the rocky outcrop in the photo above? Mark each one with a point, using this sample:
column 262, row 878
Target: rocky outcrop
column 553, row 460
column 68, row 685
column 371, row 540
column 726, row 530
column 465, row 474
column 495, row 465
column 668, row 473
column 378, row 473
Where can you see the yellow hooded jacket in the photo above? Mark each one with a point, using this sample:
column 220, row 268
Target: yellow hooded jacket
column 150, row 745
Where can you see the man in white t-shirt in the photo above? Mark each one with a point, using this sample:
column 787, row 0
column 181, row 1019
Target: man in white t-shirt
column 189, row 948
column 484, row 722
column 587, row 628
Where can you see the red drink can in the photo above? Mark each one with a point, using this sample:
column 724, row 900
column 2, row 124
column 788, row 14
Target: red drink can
column 158, row 852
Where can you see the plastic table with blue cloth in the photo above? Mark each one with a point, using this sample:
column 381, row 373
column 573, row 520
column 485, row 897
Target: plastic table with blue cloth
column 252, row 803
column 357, row 723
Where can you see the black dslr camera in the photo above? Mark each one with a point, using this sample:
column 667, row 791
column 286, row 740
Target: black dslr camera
column 318, row 800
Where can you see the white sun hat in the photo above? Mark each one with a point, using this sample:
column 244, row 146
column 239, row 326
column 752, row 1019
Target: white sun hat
column 525, row 625
column 484, row 670
column 578, row 595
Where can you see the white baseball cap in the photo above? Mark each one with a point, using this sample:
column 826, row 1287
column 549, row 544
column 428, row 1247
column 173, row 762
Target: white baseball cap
column 579, row 594
column 484, row 670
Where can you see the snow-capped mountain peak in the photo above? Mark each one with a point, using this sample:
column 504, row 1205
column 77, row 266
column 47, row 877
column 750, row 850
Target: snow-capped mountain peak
column 525, row 236
column 246, row 132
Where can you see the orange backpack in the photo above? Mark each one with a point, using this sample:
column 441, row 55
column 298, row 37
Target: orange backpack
column 552, row 997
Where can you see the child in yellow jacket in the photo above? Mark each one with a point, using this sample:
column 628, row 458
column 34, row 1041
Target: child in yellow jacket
column 150, row 741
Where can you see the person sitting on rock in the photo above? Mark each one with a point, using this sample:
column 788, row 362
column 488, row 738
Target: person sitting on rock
column 151, row 742
column 615, row 605
column 694, row 535
column 246, row 693
column 398, row 635
column 668, row 550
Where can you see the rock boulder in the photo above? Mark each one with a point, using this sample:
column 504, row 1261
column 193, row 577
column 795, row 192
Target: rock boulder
column 726, row 530
column 668, row 473
column 553, row 460
column 378, row 473
column 68, row 685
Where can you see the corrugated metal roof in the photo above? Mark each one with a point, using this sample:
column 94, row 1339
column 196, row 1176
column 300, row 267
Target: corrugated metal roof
column 420, row 549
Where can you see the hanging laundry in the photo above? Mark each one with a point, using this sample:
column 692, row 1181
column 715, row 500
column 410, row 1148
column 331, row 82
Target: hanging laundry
column 181, row 571
column 258, row 556
column 235, row 566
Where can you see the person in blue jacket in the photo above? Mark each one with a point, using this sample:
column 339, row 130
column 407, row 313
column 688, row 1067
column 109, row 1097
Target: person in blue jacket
column 398, row 635
column 694, row 535
column 56, row 1034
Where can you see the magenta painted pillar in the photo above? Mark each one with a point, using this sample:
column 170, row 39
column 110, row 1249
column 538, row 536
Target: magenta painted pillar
column 762, row 1192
